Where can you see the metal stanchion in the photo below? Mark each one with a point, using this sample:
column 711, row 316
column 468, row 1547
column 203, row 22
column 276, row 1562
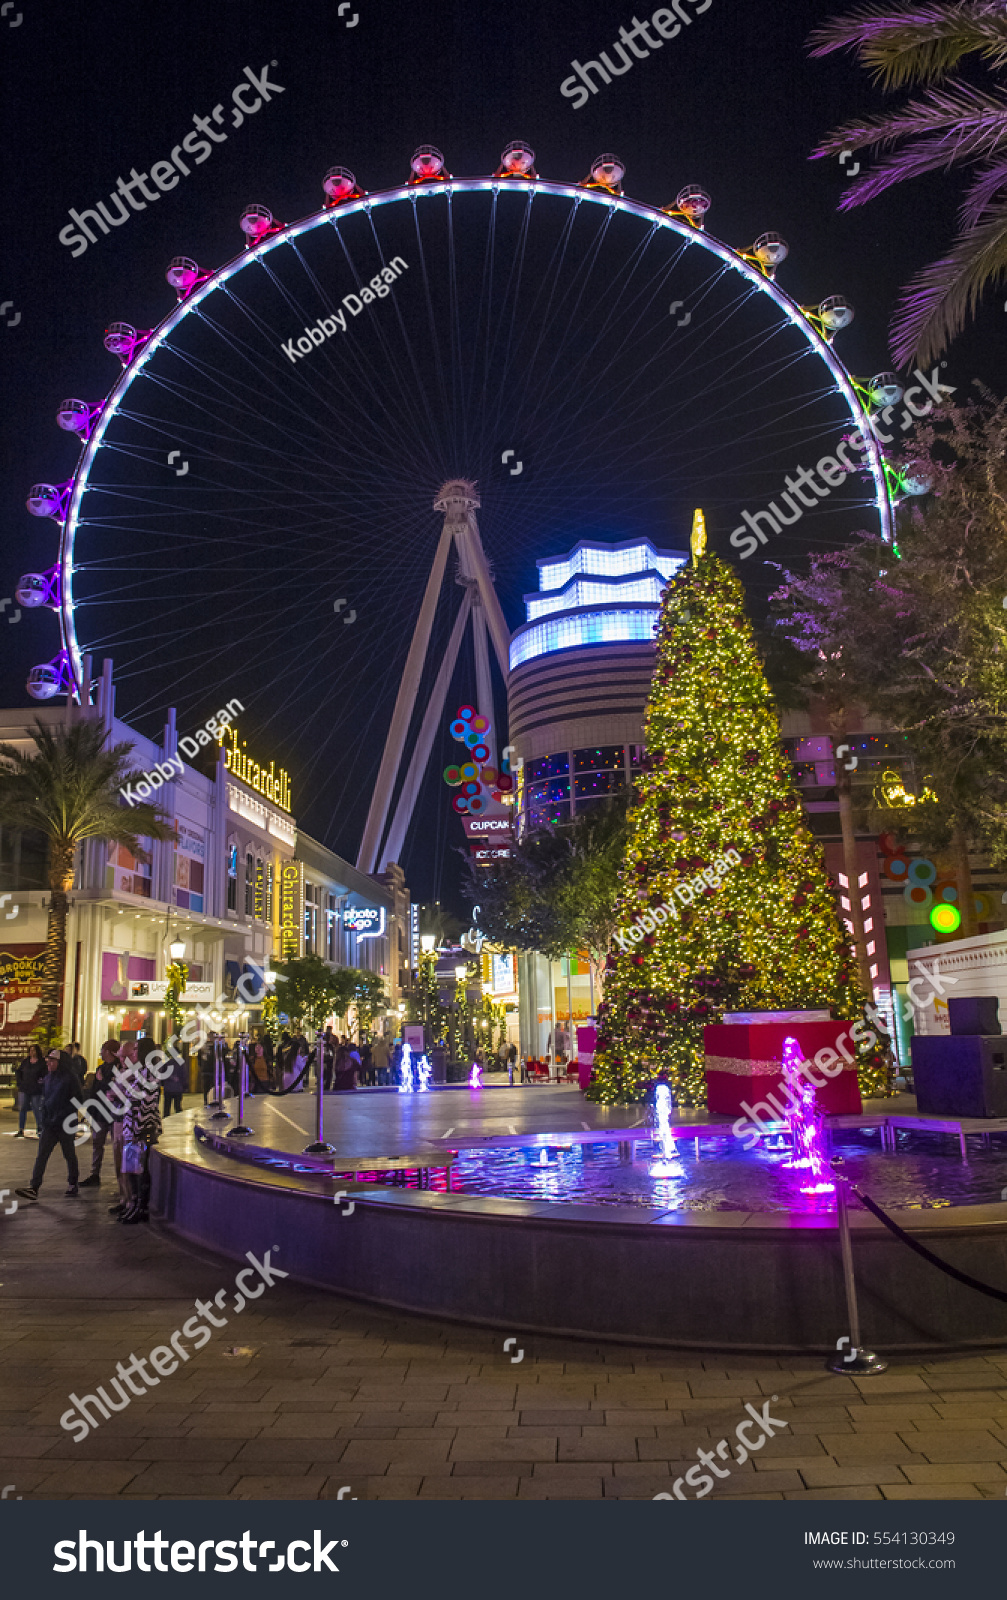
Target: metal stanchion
column 320, row 1147
column 243, row 1047
column 219, row 1081
column 856, row 1361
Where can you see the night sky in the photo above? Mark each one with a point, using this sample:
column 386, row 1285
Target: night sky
column 310, row 484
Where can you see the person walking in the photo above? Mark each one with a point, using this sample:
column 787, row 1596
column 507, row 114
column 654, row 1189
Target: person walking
column 78, row 1063
column 380, row 1057
column 175, row 1086
column 207, row 1065
column 25, row 1076
column 141, row 1130
column 104, row 1080
column 366, row 1064
column 35, row 1079
column 58, row 1090
column 126, row 1067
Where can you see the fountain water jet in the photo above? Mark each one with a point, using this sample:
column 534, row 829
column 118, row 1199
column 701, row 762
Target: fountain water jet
column 803, row 1123
column 668, row 1166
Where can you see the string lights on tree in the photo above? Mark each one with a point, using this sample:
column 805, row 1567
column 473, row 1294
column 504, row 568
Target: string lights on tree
column 715, row 777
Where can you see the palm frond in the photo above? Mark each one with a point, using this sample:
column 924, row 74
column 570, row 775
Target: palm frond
column 916, row 43
column 935, row 305
column 69, row 789
column 989, row 180
column 925, row 155
column 961, row 111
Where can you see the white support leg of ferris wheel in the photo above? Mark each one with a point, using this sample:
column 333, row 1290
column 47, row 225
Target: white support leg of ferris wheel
column 459, row 501
column 381, row 799
column 425, row 737
column 484, row 684
column 475, row 558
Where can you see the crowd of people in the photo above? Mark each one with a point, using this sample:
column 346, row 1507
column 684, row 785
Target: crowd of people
column 52, row 1084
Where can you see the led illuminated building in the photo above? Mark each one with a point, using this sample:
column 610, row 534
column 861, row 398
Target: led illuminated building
column 580, row 673
column 581, row 669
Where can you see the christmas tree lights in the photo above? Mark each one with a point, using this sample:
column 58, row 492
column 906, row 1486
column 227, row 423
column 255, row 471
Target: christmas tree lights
column 715, row 778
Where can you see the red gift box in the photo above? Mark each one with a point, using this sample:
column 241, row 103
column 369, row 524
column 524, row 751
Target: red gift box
column 744, row 1064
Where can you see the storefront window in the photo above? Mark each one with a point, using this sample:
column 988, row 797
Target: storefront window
column 232, row 878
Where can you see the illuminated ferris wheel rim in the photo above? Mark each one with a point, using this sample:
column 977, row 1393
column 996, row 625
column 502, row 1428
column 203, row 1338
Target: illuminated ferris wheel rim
column 331, row 215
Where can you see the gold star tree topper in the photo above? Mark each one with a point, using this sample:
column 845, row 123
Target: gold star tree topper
column 698, row 540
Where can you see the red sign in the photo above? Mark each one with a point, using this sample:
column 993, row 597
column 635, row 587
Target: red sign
column 21, row 968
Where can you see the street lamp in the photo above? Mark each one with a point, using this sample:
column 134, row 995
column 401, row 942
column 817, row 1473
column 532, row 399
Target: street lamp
column 427, row 943
column 461, row 973
column 176, row 949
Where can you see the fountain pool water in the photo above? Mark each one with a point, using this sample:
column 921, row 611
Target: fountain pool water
column 925, row 1172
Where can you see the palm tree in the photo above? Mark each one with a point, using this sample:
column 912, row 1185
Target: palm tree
column 952, row 124
column 68, row 790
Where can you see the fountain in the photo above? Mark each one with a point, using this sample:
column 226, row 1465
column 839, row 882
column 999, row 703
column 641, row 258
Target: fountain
column 423, row 1071
column 803, row 1123
column 669, row 1166
column 406, row 1070
column 476, row 1076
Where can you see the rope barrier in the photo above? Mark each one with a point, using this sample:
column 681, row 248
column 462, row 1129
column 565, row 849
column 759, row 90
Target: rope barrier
column 928, row 1255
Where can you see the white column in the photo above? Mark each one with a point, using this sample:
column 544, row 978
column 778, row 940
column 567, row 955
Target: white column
column 381, row 799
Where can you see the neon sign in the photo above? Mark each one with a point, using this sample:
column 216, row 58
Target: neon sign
column 367, row 922
column 275, row 786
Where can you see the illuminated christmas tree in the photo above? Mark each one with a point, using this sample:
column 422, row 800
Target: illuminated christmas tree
column 716, row 779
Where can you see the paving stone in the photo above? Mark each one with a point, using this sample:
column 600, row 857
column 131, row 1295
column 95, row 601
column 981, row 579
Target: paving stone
column 957, row 1445
column 275, row 1488
column 878, row 1445
column 955, row 1472
column 861, row 1491
column 828, row 1474
column 524, row 1450
column 935, row 1491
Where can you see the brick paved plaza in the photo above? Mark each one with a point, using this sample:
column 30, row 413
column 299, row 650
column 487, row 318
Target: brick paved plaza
column 306, row 1393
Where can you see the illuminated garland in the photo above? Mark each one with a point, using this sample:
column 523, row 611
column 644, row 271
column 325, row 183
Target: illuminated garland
column 715, row 777
column 177, row 977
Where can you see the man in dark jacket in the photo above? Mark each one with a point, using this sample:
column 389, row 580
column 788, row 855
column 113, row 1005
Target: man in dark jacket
column 78, row 1063
column 58, row 1091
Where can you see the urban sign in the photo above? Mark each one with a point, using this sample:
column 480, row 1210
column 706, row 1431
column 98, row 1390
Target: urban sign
column 155, row 989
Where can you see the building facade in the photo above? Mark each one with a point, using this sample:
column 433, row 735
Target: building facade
column 238, row 884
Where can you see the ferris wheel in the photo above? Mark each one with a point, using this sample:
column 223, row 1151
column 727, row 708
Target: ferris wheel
column 250, row 506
